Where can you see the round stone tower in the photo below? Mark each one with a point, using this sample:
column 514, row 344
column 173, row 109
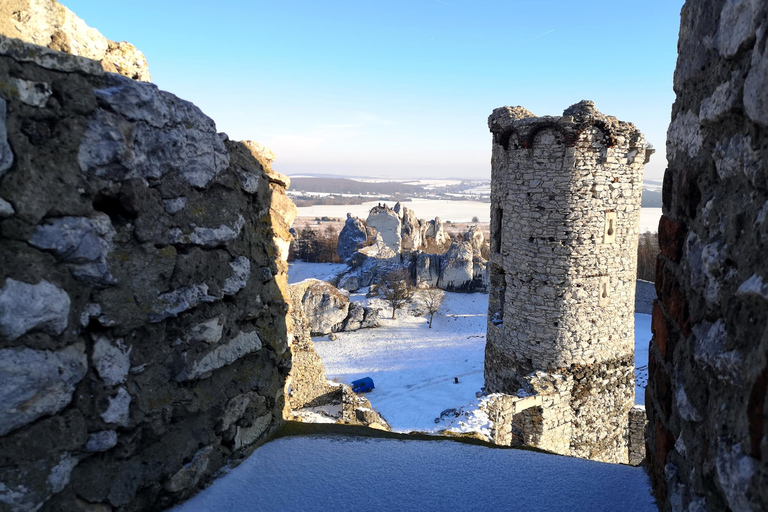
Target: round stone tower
column 565, row 208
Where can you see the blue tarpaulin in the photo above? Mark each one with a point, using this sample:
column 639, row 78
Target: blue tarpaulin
column 362, row 385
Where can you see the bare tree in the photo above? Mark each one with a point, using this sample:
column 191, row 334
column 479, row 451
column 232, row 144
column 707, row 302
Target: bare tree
column 396, row 289
column 432, row 298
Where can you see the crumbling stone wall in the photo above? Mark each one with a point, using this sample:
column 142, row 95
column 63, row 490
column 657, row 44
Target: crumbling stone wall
column 48, row 23
column 565, row 195
column 307, row 388
column 143, row 331
column 708, row 360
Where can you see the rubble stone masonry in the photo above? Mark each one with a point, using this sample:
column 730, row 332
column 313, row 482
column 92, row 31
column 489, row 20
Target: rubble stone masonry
column 143, row 296
column 708, row 360
column 564, row 231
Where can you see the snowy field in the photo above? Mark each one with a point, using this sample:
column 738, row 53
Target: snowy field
column 300, row 270
column 319, row 473
column 456, row 211
column 414, row 367
column 649, row 219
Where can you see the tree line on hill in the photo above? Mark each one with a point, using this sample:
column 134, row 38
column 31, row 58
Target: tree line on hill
column 319, row 246
column 348, row 186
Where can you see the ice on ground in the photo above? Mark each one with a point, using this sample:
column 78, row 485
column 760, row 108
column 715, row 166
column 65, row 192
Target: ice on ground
column 318, row 473
column 414, row 368
column 300, row 270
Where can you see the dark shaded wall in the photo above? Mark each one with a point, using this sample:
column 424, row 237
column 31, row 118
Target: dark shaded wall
column 143, row 297
column 708, row 365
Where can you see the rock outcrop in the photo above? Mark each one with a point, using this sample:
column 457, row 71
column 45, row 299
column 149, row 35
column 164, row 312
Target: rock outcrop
column 48, row 23
column 309, row 394
column 327, row 309
column 351, row 238
column 434, row 238
column 402, row 240
column 143, row 295
column 460, row 269
column 411, row 231
column 387, row 224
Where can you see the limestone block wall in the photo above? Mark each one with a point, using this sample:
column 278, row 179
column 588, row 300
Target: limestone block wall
column 564, row 229
column 143, row 330
column 708, row 360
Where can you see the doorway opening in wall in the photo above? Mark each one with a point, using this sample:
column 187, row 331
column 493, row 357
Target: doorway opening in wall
column 527, row 427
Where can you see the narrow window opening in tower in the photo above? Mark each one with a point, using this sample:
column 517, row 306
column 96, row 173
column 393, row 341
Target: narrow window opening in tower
column 609, row 235
column 498, row 295
column 497, row 215
column 605, row 290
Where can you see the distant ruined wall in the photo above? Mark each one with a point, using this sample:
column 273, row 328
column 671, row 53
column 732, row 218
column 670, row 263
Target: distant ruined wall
column 708, row 360
column 143, row 295
column 565, row 194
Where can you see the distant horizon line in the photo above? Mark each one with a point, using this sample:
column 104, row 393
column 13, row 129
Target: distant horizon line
column 403, row 178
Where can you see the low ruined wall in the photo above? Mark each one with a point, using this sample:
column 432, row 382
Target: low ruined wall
column 708, row 363
column 143, row 331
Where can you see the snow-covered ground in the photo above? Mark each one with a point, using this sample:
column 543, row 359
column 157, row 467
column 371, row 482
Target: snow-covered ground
column 318, row 473
column 649, row 219
column 301, row 270
column 414, row 367
column 642, row 337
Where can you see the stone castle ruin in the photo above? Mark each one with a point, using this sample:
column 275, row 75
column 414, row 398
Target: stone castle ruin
column 148, row 338
column 565, row 199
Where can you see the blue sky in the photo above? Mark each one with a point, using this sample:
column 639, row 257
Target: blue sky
column 400, row 88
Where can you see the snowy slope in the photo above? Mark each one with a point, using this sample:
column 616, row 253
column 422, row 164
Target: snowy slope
column 300, row 270
column 413, row 367
column 319, row 473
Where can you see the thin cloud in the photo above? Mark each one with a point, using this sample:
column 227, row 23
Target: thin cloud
column 540, row 35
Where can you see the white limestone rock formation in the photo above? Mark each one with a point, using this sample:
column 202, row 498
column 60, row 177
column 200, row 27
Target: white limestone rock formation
column 427, row 269
column 410, row 231
column 457, row 270
column 387, row 223
column 475, row 238
column 328, row 309
column 434, row 238
column 50, row 24
column 352, row 237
